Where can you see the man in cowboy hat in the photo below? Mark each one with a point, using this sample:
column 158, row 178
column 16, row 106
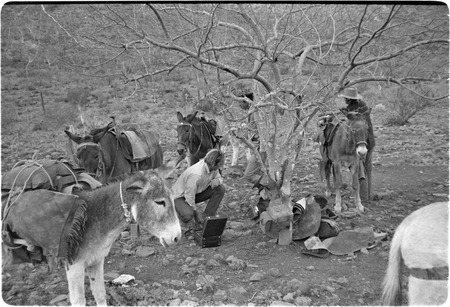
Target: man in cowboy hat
column 353, row 100
column 355, row 104
column 328, row 123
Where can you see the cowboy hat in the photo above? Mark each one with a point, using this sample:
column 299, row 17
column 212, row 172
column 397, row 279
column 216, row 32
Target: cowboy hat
column 351, row 93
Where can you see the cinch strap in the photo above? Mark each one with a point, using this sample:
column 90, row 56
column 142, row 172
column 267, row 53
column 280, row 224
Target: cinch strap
column 439, row 273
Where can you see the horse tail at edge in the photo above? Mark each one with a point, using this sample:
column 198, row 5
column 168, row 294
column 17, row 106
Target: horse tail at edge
column 392, row 288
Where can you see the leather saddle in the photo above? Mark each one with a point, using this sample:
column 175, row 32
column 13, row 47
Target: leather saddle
column 210, row 124
column 137, row 145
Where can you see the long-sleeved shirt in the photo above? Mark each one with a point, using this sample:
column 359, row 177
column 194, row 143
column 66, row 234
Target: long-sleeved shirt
column 194, row 180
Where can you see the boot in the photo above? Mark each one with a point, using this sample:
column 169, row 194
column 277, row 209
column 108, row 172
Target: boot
column 185, row 228
column 191, row 227
column 199, row 219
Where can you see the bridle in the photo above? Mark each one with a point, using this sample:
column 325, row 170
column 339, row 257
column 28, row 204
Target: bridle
column 189, row 137
column 101, row 163
column 189, row 140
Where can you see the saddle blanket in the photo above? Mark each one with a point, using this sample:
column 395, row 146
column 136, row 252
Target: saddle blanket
column 50, row 220
column 136, row 145
column 143, row 145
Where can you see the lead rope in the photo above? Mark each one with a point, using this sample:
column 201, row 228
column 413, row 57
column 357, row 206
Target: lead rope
column 127, row 212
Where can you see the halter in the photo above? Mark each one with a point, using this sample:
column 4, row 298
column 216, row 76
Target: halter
column 101, row 163
column 126, row 212
column 190, row 136
column 361, row 143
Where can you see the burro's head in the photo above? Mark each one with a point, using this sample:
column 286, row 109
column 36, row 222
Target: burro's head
column 151, row 205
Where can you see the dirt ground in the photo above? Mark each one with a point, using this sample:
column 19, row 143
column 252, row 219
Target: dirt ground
column 410, row 171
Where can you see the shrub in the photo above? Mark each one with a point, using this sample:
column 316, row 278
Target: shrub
column 9, row 117
column 206, row 104
column 404, row 104
column 78, row 96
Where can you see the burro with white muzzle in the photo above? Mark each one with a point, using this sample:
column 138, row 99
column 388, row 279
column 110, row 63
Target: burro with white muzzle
column 102, row 214
column 348, row 149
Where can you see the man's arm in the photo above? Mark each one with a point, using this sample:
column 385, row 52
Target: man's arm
column 190, row 189
column 217, row 180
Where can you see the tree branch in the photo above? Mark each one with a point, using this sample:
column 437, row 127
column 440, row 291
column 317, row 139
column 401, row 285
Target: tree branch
column 59, row 25
column 392, row 80
column 374, row 34
column 401, row 51
column 161, row 22
column 355, row 39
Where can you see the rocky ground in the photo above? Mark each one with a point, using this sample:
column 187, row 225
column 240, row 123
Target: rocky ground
column 249, row 268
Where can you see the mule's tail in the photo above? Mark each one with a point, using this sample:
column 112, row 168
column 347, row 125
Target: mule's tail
column 392, row 290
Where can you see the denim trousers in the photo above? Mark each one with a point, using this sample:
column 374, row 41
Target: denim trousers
column 214, row 195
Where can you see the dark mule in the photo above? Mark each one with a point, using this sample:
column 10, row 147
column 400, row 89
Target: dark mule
column 101, row 216
column 108, row 152
column 347, row 149
column 195, row 137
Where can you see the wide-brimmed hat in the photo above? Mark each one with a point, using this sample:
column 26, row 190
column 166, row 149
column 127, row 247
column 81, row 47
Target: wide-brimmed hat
column 351, row 93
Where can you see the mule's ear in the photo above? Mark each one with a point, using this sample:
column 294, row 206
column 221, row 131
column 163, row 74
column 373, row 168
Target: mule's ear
column 98, row 134
column 96, row 138
column 191, row 117
column 77, row 139
column 180, row 117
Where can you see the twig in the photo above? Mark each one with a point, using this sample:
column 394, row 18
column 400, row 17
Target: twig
column 59, row 25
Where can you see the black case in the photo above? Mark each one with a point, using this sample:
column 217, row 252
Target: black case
column 211, row 234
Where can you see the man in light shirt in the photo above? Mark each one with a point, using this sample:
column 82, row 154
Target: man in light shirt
column 200, row 182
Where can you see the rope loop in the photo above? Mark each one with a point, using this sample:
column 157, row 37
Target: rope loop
column 126, row 212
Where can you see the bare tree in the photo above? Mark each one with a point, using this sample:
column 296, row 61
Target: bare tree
column 284, row 51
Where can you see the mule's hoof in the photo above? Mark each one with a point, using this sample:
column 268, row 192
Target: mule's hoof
column 338, row 209
column 327, row 193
